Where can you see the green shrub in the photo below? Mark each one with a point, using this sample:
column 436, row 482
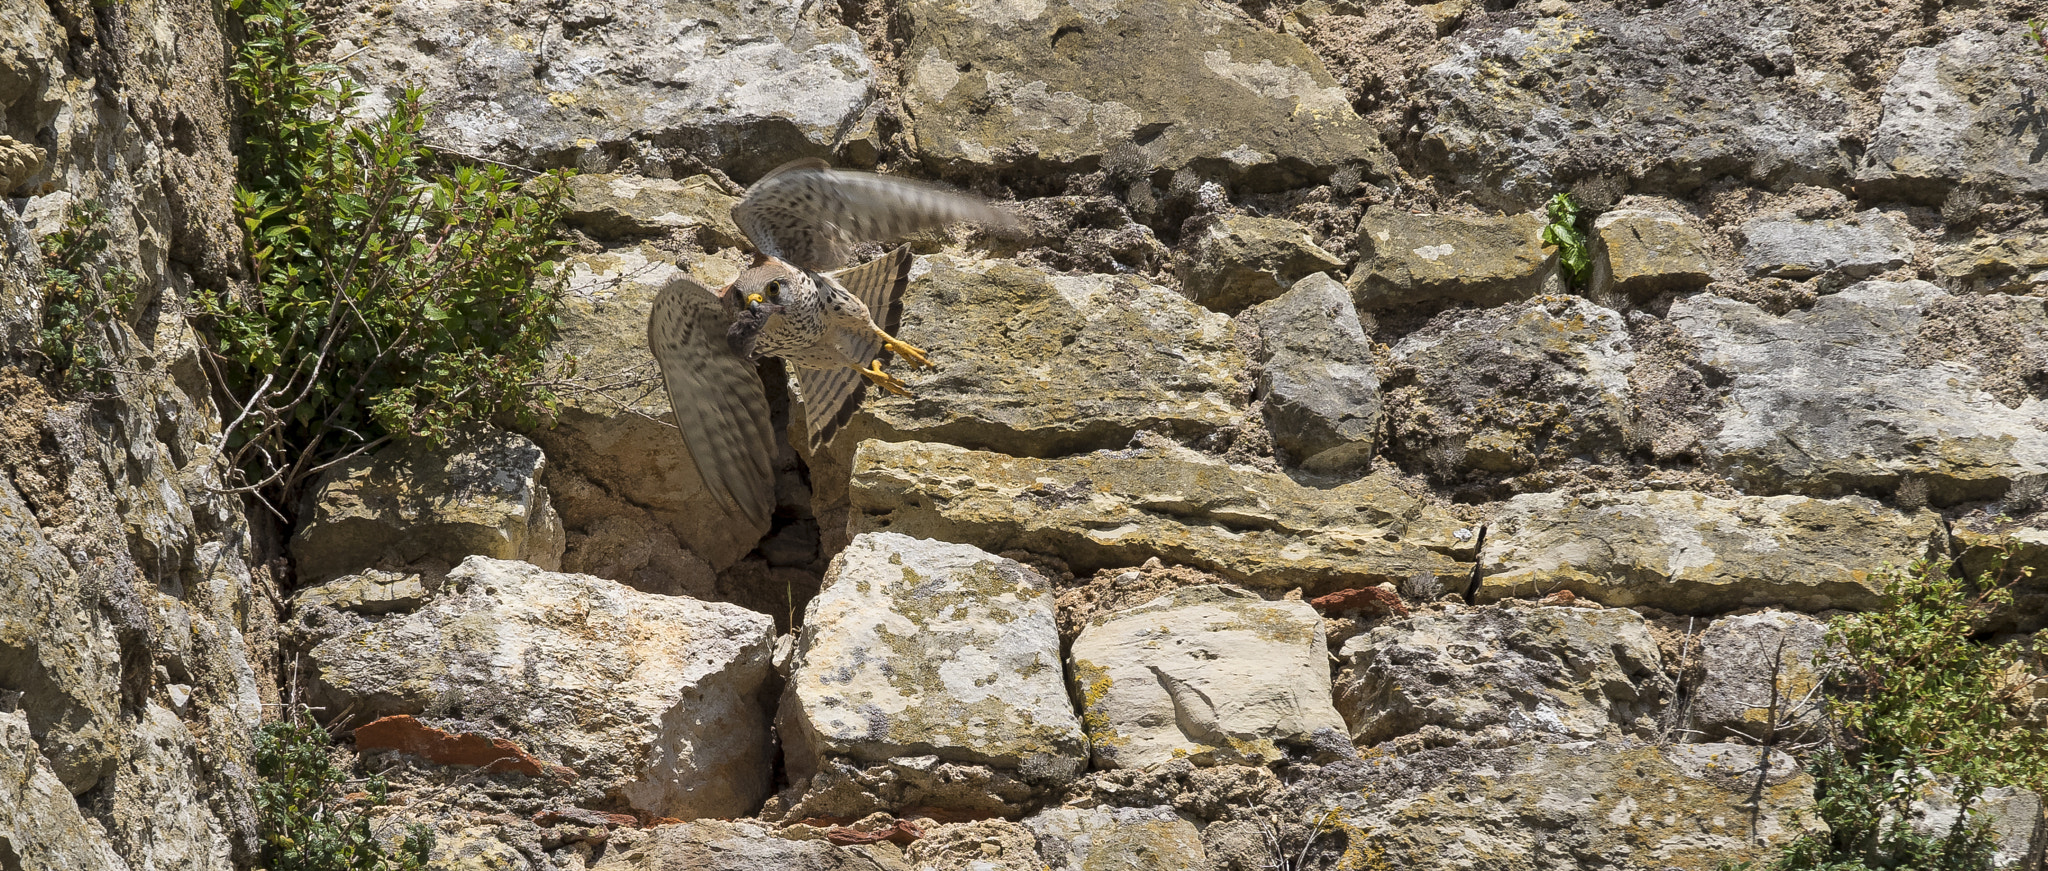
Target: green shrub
column 1563, row 232
column 393, row 297
column 81, row 297
column 1914, row 699
column 308, row 822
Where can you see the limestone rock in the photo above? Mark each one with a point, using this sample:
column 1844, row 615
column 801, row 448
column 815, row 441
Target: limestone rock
column 744, row 87
column 38, row 817
column 1857, row 247
column 2014, row 815
column 1760, row 685
column 1106, row 838
column 1832, row 400
column 1636, row 806
column 369, row 593
column 1697, row 554
column 2024, row 544
column 1112, row 509
column 1408, row 259
column 1211, row 673
column 1318, row 378
column 1504, row 675
column 1234, row 262
column 1639, row 253
column 159, row 816
column 19, row 162
column 2015, row 263
column 982, row 845
column 63, row 658
column 1039, row 88
column 919, row 657
column 1511, row 390
column 720, row 845
column 1526, row 105
column 1950, row 113
column 624, row 205
column 412, row 503
column 630, row 497
column 1032, row 364
column 650, row 699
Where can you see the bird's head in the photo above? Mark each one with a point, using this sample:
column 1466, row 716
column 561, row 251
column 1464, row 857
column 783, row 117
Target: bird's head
column 757, row 294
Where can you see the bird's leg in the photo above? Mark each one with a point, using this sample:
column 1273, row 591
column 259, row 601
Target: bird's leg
column 911, row 355
column 883, row 379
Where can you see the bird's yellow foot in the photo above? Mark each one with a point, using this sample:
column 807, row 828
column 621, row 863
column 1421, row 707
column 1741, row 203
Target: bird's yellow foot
column 884, row 380
column 914, row 356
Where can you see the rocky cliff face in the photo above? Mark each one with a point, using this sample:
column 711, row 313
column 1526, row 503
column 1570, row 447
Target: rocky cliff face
column 1277, row 499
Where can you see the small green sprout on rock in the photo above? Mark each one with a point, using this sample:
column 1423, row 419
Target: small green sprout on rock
column 2039, row 34
column 1563, row 232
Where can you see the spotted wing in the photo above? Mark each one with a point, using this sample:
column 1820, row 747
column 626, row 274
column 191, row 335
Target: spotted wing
column 719, row 403
column 809, row 215
column 831, row 396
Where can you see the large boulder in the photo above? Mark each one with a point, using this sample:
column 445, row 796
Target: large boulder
column 653, row 701
column 1114, row 509
column 1624, row 805
column 1639, row 253
column 1105, row 838
column 1504, row 675
column 1318, row 378
column 1408, row 259
column 415, row 503
column 1156, row 88
column 741, row 86
column 1507, row 391
column 616, row 205
column 927, row 674
column 1526, row 105
column 1842, row 398
column 1951, row 113
column 1213, row 674
column 1698, row 554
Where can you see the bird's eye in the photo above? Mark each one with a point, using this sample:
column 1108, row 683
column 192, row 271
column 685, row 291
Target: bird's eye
column 774, row 288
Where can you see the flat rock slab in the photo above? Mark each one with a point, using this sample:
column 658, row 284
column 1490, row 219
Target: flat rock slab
column 1856, row 247
column 1318, row 378
column 651, row 700
column 1106, row 838
column 1213, row 674
column 1510, row 390
column 919, row 648
column 1836, row 399
column 743, row 86
column 610, row 205
column 1952, row 115
column 1410, row 259
column 1527, row 104
column 1032, row 364
column 1237, row 261
column 1504, row 675
column 1031, row 88
column 1639, row 253
column 719, row 845
column 1114, row 509
column 413, row 503
column 1637, row 807
column 1761, row 685
column 1697, row 554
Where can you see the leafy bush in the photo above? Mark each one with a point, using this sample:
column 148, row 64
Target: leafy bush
column 1914, row 699
column 308, row 823
column 1563, row 232
column 81, row 296
column 391, row 298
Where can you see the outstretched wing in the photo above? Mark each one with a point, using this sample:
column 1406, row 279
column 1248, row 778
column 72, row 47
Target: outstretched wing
column 809, row 215
column 831, row 396
column 718, row 400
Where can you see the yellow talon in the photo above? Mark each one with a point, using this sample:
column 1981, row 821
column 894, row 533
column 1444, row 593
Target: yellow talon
column 883, row 379
column 912, row 355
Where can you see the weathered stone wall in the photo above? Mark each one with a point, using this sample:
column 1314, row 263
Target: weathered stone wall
column 1277, row 496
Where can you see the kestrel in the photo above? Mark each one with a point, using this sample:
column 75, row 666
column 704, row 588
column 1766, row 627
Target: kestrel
column 803, row 219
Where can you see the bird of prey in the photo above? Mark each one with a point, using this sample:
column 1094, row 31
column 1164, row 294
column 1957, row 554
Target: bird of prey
column 803, row 219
